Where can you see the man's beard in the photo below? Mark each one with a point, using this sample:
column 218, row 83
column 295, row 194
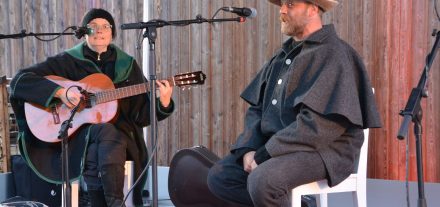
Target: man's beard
column 292, row 27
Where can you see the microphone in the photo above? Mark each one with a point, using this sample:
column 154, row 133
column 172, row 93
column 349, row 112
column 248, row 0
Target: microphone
column 139, row 25
column 143, row 25
column 81, row 31
column 243, row 12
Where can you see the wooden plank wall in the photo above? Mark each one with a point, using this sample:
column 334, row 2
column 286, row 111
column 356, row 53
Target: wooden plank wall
column 230, row 53
column 392, row 36
column 400, row 40
column 54, row 16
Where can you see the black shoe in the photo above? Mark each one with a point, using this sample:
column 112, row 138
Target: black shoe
column 308, row 201
column 114, row 202
column 97, row 198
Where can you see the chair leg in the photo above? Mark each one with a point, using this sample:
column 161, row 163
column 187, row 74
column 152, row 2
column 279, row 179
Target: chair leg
column 360, row 198
column 296, row 199
column 74, row 193
column 322, row 200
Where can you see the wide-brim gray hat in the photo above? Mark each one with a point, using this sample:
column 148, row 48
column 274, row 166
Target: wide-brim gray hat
column 325, row 5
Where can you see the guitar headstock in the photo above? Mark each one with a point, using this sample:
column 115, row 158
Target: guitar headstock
column 188, row 79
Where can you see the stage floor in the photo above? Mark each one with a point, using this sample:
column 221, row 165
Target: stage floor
column 380, row 193
column 389, row 193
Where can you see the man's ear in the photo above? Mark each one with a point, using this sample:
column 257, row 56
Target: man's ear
column 313, row 10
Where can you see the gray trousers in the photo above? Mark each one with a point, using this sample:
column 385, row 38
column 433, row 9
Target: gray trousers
column 268, row 185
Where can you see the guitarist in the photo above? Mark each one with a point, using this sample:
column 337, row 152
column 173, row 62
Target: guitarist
column 96, row 151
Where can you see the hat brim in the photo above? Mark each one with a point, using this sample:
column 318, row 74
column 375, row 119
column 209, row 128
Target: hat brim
column 325, row 5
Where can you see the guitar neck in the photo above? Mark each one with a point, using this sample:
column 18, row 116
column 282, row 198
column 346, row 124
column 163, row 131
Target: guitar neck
column 124, row 92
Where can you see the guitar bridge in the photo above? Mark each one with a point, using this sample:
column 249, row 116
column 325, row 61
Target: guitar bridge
column 55, row 115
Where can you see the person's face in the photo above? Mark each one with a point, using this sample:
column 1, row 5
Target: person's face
column 294, row 17
column 102, row 33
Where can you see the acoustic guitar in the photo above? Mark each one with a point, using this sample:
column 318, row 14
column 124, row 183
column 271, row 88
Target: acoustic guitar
column 100, row 103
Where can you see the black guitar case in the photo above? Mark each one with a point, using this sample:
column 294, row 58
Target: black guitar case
column 187, row 184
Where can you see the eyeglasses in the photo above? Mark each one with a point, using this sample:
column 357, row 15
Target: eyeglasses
column 95, row 27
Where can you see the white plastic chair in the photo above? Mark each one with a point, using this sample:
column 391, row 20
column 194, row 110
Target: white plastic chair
column 128, row 182
column 356, row 183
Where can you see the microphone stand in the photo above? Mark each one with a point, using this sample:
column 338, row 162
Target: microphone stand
column 413, row 112
column 161, row 23
column 63, row 135
column 151, row 33
column 23, row 34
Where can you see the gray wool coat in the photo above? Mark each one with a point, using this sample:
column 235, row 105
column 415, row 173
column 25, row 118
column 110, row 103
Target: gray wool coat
column 323, row 75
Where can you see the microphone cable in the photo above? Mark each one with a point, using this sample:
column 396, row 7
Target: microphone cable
column 144, row 171
column 407, row 172
column 436, row 10
column 67, row 91
column 24, row 34
column 138, row 45
column 51, row 39
column 218, row 10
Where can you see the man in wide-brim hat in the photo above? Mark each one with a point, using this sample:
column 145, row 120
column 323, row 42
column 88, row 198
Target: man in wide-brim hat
column 308, row 107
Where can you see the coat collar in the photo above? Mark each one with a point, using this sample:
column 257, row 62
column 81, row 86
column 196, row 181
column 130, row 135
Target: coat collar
column 123, row 66
column 316, row 37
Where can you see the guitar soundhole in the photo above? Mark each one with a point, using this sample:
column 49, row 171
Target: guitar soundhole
column 90, row 100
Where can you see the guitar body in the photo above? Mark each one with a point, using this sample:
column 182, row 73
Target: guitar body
column 101, row 103
column 43, row 123
column 187, row 179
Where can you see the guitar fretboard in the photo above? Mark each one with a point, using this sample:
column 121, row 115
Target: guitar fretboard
column 119, row 93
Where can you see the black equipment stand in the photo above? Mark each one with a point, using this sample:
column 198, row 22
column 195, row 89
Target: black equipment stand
column 23, row 34
column 63, row 135
column 151, row 34
column 413, row 112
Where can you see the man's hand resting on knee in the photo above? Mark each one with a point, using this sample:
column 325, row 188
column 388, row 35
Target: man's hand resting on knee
column 249, row 163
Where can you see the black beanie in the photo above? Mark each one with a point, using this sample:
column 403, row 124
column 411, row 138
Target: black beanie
column 99, row 13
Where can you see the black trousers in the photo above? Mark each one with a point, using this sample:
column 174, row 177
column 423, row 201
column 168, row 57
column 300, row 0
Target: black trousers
column 105, row 160
column 268, row 185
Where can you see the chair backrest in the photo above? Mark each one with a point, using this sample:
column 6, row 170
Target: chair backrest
column 363, row 156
